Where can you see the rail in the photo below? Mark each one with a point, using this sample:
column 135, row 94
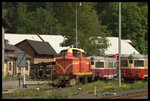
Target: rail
column 129, row 95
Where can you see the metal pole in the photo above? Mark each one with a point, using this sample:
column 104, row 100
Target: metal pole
column 119, row 43
column 76, row 27
column 3, row 47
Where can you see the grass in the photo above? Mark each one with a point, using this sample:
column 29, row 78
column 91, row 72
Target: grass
column 101, row 87
column 9, row 77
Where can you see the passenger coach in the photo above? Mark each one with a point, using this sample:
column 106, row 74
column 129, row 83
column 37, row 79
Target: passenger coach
column 134, row 66
column 103, row 68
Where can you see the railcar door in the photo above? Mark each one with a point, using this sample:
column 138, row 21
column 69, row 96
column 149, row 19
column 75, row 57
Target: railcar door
column 131, row 68
column 146, row 67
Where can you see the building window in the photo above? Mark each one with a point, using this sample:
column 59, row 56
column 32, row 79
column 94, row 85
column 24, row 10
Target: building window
column 124, row 63
column 13, row 65
column 138, row 63
column 26, row 65
column 99, row 64
column 9, row 66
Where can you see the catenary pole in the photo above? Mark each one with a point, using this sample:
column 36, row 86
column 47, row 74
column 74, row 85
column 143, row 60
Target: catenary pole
column 77, row 24
column 76, row 28
column 119, row 43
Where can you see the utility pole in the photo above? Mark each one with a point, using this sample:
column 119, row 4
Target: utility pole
column 3, row 47
column 119, row 43
column 76, row 26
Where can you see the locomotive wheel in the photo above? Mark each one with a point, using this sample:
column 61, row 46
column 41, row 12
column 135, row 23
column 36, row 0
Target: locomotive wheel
column 90, row 79
column 55, row 82
column 146, row 79
column 78, row 79
column 86, row 79
column 72, row 82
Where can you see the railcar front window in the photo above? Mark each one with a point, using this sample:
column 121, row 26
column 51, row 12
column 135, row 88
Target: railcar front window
column 138, row 63
column 124, row 63
column 99, row 64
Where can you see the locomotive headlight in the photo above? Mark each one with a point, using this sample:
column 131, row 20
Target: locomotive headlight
column 137, row 71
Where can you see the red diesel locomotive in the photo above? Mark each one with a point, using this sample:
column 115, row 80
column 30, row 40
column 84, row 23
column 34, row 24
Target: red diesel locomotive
column 103, row 68
column 134, row 66
column 72, row 67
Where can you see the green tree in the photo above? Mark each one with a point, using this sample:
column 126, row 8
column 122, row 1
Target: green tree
column 11, row 16
column 89, row 28
column 133, row 22
column 22, row 19
column 4, row 10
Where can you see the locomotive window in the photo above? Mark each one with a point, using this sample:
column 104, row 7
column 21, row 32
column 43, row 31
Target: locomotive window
column 130, row 61
column 78, row 53
column 138, row 63
column 92, row 63
column 63, row 53
column 75, row 54
column 83, row 55
column 99, row 64
column 124, row 63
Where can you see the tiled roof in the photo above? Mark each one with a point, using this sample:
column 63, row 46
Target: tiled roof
column 42, row 47
column 16, row 50
column 53, row 40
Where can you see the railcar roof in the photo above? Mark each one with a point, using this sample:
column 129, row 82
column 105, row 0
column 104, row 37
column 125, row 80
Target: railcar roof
column 81, row 50
column 134, row 56
column 101, row 58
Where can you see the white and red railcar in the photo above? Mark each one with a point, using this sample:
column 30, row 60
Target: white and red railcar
column 103, row 68
column 134, row 66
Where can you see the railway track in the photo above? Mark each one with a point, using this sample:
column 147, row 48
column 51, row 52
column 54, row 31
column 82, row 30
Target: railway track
column 129, row 95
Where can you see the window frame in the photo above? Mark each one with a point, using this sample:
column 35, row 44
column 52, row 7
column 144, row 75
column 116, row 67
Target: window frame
column 9, row 66
column 137, row 65
column 126, row 65
column 99, row 66
column 110, row 64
